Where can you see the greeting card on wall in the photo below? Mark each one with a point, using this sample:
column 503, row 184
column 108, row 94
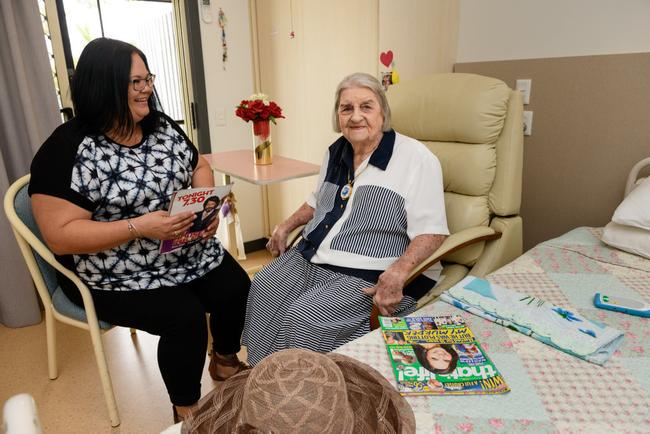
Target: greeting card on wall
column 391, row 76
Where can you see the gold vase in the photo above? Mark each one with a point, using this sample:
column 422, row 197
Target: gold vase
column 262, row 144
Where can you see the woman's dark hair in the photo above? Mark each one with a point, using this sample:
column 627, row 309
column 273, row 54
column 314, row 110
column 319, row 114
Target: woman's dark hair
column 421, row 355
column 100, row 88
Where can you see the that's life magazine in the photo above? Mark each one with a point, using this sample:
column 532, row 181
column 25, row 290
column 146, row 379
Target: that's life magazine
column 205, row 202
column 438, row 355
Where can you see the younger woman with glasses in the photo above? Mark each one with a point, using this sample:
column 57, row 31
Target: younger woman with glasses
column 100, row 188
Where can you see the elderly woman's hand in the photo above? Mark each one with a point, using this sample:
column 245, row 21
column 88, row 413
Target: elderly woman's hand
column 388, row 291
column 158, row 225
column 278, row 242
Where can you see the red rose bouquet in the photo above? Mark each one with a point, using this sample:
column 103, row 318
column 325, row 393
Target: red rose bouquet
column 258, row 108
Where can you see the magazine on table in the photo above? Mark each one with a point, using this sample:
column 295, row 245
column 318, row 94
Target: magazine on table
column 205, row 202
column 438, row 355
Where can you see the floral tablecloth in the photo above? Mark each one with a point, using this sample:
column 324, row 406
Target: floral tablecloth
column 551, row 391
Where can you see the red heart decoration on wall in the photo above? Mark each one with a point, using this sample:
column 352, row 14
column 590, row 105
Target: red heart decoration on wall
column 386, row 58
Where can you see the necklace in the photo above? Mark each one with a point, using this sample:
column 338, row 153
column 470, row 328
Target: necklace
column 346, row 191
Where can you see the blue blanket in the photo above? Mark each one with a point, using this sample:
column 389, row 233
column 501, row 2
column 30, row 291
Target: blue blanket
column 553, row 325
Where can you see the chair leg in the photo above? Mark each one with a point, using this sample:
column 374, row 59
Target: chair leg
column 207, row 316
column 105, row 377
column 50, row 333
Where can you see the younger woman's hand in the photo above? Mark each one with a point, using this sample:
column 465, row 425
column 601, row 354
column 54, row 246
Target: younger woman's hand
column 158, row 225
column 211, row 230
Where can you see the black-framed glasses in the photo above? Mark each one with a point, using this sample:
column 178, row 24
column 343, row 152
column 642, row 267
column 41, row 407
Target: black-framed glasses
column 140, row 83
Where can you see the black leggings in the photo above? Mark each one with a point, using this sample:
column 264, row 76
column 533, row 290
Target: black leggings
column 177, row 315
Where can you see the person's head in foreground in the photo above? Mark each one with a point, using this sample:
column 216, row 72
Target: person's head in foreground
column 303, row 391
column 436, row 358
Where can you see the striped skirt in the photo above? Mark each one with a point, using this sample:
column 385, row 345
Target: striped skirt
column 295, row 304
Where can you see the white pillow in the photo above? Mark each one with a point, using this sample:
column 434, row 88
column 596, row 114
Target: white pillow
column 628, row 238
column 635, row 208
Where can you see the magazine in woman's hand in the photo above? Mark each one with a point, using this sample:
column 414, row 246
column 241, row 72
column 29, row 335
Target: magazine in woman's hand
column 205, row 202
column 438, row 355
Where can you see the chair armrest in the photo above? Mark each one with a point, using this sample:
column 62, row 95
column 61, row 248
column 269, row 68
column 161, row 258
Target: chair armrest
column 452, row 243
column 294, row 236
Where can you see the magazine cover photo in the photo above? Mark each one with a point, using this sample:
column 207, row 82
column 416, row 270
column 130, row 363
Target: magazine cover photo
column 438, row 356
column 205, row 203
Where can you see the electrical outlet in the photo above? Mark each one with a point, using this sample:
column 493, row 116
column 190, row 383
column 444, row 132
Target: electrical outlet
column 524, row 87
column 220, row 117
column 528, row 123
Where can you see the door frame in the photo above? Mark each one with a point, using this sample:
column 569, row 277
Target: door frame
column 60, row 55
column 188, row 35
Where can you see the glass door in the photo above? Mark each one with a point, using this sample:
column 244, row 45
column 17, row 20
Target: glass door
column 166, row 31
column 149, row 25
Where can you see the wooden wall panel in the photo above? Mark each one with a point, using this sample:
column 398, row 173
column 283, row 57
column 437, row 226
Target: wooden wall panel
column 422, row 34
column 334, row 39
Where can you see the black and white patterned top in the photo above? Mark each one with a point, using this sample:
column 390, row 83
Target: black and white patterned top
column 397, row 195
column 116, row 182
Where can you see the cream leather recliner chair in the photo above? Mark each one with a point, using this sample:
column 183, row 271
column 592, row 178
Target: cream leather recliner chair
column 474, row 125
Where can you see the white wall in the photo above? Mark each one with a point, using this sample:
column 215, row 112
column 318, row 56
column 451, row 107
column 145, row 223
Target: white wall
column 225, row 89
column 528, row 29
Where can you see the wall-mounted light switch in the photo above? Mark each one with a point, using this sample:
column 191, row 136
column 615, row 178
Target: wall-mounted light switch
column 524, row 87
column 528, row 123
column 220, row 117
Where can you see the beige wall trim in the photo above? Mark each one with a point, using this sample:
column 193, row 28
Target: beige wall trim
column 590, row 126
column 255, row 52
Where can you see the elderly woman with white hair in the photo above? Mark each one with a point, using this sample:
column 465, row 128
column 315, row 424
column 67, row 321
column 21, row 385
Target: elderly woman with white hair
column 376, row 212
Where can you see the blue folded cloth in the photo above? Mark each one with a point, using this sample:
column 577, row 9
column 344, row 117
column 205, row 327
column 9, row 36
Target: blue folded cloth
column 561, row 328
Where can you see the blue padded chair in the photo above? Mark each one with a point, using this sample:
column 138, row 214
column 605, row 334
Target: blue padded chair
column 43, row 266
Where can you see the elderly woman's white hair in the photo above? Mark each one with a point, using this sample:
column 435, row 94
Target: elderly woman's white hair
column 361, row 79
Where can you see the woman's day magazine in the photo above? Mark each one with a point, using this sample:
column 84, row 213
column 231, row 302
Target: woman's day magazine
column 438, row 355
column 205, row 202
